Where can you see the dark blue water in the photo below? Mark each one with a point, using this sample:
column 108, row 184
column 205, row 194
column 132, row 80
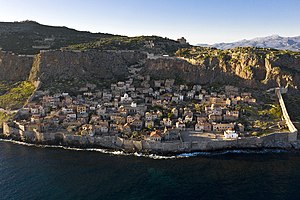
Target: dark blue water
column 48, row 173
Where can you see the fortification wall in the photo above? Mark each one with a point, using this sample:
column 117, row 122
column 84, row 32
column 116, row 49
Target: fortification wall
column 274, row 140
column 292, row 136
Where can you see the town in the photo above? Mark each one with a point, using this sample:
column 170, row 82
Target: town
column 155, row 110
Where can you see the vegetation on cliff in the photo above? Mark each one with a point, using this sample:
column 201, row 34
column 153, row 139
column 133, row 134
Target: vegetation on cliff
column 4, row 87
column 152, row 44
column 4, row 117
column 17, row 95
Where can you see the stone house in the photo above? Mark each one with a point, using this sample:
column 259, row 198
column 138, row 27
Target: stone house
column 126, row 99
column 149, row 124
column 170, row 135
column 215, row 118
column 102, row 127
column 203, row 126
column 231, row 115
column 101, row 110
column 241, row 127
column 158, row 83
column 155, row 135
column 166, row 122
column 201, row 119
column 137, row 124
column 126, row 128
column 189, row 116
column 219, row 127
column 169, row 83
column 87, row 129
column 130, row 119
column 67, row 101
column 35, row 109
column 35, row 119
column 67, row 110
column 118, row 119
column 180, row 125
column 174, row 112
column 156, row 102
column 71, row 116
column 81, row 109
column 190, row 94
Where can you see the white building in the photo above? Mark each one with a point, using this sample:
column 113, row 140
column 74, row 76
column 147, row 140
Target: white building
column 180, row 125
column 230, row 134
column 126, row 98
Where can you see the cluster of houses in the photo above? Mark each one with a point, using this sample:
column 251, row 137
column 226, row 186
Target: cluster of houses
column 153, row 109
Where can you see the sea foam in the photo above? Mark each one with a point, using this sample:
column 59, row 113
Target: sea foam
column 152, row 156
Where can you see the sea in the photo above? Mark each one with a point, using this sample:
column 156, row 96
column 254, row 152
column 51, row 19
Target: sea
column 43, row 172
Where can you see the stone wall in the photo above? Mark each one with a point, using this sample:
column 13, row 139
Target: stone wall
column 274, row 140
column 293, row 131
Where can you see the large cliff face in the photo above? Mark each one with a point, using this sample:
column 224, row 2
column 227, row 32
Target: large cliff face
column 58, row 66
column 243, row 66
column 186, row 72
column 14, row 68
column 249, row 67
column 92, row 65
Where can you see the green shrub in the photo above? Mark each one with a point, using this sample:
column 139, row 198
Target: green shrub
column 17, row 96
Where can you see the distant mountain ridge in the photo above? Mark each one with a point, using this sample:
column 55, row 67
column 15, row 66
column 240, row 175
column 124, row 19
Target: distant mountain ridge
column 273, row 41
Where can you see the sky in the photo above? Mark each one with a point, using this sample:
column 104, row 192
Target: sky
column 199, row 21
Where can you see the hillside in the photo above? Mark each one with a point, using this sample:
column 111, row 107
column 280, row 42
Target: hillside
column 151, row 44
column 274, row 41
column 29, row 37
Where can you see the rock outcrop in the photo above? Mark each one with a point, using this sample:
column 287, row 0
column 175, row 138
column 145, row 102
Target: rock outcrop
column 251, row 67
column 186, row 72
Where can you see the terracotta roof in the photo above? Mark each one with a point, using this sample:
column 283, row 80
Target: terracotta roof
column 155, row 134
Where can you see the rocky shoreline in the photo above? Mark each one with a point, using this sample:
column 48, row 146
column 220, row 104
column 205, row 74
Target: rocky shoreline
column 112, row 143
